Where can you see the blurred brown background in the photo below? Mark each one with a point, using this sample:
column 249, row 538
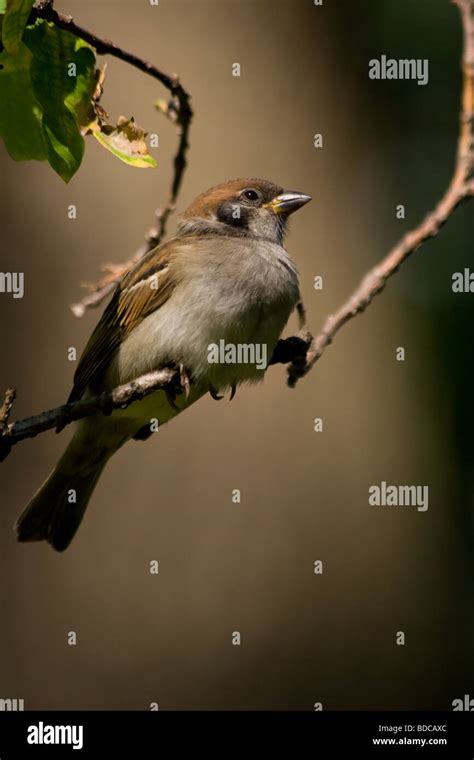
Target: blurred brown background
column 248, row 567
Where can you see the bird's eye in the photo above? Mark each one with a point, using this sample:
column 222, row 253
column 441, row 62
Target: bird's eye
column 251, row 195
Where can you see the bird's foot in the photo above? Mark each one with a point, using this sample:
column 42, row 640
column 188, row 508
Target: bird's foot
column 182, row 385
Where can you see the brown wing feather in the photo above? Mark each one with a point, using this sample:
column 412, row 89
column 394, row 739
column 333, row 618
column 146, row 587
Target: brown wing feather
column 145, row 288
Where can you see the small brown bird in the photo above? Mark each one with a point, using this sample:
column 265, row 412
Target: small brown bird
column 212, row 300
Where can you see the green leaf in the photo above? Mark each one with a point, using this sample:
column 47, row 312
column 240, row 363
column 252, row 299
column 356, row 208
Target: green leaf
column 20, row 112
column 16, row 16
column 80, row 100
column 49, row 98
column 3, row 6
column 61, row 67
column 127, row 142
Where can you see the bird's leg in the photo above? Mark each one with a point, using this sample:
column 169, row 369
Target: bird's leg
column 301, row 311
column 183, row 385
column 184, row 379
column 171, row 395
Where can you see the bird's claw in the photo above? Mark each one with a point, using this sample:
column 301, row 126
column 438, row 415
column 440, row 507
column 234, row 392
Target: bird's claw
column 217, row 397
column 214, row 393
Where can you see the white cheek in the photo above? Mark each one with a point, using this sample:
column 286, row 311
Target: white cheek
column 269, row 226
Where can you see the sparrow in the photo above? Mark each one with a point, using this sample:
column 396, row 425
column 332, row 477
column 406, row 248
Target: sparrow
column 225, row 278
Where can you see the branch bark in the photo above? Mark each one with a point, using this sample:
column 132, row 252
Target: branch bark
column 460, row 189
column 167, row 379
column 302, row 351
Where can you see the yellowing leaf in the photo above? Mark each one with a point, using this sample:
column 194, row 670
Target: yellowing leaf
column 126, row 141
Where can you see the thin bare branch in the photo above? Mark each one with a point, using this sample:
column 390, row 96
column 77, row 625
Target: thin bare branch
column 169, row 379
column 460, row 189
column 119, row 398
column 45, row 10
column 178, row 110
column 8, row 401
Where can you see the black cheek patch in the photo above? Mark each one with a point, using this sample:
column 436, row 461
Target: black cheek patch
column 233, row 214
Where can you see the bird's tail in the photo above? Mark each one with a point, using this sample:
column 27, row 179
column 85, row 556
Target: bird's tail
column 57, row 508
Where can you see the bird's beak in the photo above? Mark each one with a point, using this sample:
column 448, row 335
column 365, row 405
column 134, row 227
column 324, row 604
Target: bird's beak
column 287, row 202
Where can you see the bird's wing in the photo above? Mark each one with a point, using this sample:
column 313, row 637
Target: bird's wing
column 142, row 290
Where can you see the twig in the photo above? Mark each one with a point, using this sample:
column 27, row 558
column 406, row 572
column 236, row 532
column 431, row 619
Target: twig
column 168, row 379
column 10, row 395
column 178, row 110
column 460, row 189
column 104, row 287
column 119, row 398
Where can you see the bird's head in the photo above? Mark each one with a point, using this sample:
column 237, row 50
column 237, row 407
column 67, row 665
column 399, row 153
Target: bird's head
column 241, row 207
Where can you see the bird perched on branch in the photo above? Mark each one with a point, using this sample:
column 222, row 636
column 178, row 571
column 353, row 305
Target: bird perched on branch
column 225, row 279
